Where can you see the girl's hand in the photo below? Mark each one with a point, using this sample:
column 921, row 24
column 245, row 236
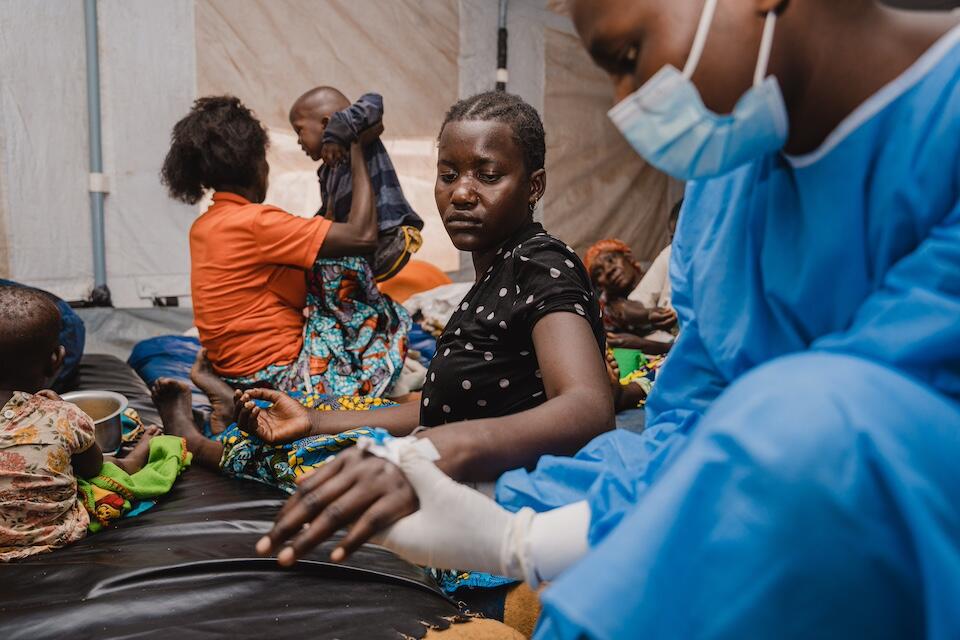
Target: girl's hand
column 332, row 154
column 619, row 339
column 663, row 318
column 370, row 134
column 285, row 420
column 354, row 488
column 613, row 368
column 49, row 394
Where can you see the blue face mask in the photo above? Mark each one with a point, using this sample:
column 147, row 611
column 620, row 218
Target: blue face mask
column 666, row 122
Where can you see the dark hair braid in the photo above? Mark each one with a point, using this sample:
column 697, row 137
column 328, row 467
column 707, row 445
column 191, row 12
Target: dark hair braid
column 508, row 109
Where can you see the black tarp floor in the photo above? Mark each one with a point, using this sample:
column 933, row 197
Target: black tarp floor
column 186, row 568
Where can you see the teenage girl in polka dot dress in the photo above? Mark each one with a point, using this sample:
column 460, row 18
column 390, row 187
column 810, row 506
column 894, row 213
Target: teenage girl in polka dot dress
column 519, row 371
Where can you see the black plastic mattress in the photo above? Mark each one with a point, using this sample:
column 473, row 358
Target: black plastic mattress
column 186, row 569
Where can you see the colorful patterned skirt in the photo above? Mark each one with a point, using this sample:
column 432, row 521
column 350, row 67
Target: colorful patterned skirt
column 279, row 465
column 354, row 337
column 645, row 374
column 246, row 456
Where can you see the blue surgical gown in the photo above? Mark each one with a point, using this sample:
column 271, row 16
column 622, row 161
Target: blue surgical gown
column 800, row 474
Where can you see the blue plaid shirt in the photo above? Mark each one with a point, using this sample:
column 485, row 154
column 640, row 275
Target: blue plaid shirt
column 336, row 184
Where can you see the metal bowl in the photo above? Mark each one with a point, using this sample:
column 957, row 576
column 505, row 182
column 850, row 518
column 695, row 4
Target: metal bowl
column 104, row 408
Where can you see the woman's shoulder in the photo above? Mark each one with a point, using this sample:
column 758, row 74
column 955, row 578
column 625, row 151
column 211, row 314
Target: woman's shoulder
column 240, row 216
column 542, row 243
column 550, row 276
column 230, row 210
column 551, row 252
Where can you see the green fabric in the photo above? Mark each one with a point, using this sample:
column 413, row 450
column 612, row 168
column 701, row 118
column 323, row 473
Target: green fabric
column 629, row 360
column 168, row 457
column 165, row 463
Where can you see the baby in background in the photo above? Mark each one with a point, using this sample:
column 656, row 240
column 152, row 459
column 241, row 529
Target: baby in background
column 326, row 124
column 45, row 443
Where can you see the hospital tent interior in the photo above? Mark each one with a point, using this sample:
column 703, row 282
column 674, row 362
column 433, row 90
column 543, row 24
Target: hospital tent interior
column 89, row 93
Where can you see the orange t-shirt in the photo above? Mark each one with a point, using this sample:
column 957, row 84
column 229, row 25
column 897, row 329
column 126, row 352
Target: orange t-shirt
column 247, row 278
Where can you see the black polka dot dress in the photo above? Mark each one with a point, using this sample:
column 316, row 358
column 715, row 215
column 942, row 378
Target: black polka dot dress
column 486, row 366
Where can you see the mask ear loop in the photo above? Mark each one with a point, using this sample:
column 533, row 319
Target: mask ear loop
column 700, row 40
column 766, row 46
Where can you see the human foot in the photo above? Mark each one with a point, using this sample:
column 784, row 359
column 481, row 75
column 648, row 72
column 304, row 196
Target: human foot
column 625, row 396
column 139, row 455
column 613, row 374
column 219, row 392
column 172, row 398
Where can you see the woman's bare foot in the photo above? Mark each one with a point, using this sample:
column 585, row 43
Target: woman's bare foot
column 219, row 392
column 625, row 396
column 172, row 398
column 613, row 374
column 139, row 455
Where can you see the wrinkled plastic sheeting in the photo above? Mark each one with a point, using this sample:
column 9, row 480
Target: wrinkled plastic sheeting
column 187, row 568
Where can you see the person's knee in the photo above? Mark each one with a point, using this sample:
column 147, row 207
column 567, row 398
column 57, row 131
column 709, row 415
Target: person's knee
column 782, row 413
column 810, row 411
column 816, row 423
column 819, row 470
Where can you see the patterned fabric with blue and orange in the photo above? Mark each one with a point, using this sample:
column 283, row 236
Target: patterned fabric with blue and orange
column 246, row 456
column 279, row 465
column 355, row 338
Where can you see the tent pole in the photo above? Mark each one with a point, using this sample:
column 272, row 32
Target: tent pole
column 502, row 75
column 100, row 296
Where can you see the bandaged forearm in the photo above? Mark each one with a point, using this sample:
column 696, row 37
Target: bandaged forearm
column 458, row 527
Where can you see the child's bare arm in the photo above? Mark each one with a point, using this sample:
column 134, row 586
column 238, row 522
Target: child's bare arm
column 358, row 235
column 137, row 458
column 87, row 463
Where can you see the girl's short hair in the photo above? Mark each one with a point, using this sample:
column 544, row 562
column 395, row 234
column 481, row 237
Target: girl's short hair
column 509, row 109
column 220, row 142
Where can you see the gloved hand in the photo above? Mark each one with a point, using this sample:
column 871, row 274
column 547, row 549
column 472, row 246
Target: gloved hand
column 458, row 527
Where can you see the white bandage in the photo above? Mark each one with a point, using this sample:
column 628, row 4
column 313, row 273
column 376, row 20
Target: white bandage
column 390, row 448
column 458, row 527
column 555, row 541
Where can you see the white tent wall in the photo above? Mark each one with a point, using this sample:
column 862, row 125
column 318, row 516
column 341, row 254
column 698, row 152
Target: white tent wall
column 147, row 82
column 156, row 57
column 44, row 203
column 269, row 53
column 147, row 75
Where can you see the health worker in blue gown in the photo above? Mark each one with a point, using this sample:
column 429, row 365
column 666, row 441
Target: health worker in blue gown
column 800, row 472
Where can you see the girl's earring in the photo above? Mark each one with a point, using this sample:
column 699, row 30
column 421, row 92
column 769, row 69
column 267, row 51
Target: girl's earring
column 533, row 205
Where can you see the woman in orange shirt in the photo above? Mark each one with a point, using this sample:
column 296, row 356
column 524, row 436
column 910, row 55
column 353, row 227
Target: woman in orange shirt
column 279, row 300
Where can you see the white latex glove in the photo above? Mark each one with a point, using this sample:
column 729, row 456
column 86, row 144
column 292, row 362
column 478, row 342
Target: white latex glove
column 458, row 527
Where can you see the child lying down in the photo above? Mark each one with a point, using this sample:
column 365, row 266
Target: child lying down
column 55, row 484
